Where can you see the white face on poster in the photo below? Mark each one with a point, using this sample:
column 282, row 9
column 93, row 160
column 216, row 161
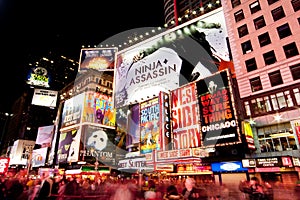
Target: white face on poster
column 98, row 140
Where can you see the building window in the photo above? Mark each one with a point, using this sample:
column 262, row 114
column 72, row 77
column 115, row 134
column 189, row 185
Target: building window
column 290, row 50
column 269, row 57
column 284, row 31
column 297, row 95
column 258, row 106
column 296, row 5
column 278, row 137
column 247, row 47
column 247, row 108
column 264, row 39
column 259, row 22
column 239, row 15
column 275, row 78
column 251, row 64
column 243, row 30
column 255, row 84
column 278, row 13
column 254, row 7
column 235, row 3
column 272, row 1
column 295, row 70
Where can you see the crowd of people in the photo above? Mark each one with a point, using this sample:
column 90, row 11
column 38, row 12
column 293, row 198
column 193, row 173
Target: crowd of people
column 74, row 187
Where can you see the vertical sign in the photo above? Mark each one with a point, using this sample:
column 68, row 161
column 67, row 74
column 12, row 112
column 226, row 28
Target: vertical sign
column 219, row 124
column 149, row 121
column 72, row 111
column 185, row 117
column 133, row 135
column 165, row 121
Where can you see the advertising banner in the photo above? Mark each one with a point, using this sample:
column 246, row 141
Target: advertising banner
column 133, row 135
column 149, row 123
column 99, row 143
column 219, row 125
column 45, row 134
column 39, row 157
column 4, row 164
column 72, row 110
column 247, row 130
column 101, row 59
column 42, row 97
column 185, row 117
column 172, row 59
column 68, row 146
column 98, row 108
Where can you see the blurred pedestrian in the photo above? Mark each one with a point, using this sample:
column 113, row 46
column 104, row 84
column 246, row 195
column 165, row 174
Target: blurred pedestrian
column 254, row 189
column 172, row 193
column 191, row 192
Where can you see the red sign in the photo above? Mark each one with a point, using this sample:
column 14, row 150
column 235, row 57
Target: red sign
column 4, row 162
column 185, row 117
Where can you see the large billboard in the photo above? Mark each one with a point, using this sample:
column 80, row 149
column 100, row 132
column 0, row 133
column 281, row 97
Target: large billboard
column 72, row 111
column 171, row 59
column 185, row 117
column 99, row 144
column 69, row 146
column 39, row 157
column 219, row 122
column 98, row 108
column 150, row 126
column 45, row 135
column 42, row 97
column 101, row 59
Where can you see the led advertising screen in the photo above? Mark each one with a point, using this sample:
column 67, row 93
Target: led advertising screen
column 171, row 59
column 101, row 59
column 42, row 97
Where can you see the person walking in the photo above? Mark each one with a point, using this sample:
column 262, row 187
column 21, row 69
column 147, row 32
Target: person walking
column 191, row 192
column 172, row 193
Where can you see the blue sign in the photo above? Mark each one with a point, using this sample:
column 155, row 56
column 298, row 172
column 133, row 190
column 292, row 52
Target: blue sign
column 232, row 166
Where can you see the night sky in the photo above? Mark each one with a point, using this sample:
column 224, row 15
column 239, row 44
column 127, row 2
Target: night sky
column 38, row 27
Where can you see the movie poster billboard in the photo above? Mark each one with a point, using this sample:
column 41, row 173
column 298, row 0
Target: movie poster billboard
column 44, row 135
column 219, row 124
column 101, row 59
column 149, row 126
column 39, row 157
column 171, row 59
column 99, row 143
column 72, row 111
column 69, row 146
column 185, row 117
column 98, row 109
